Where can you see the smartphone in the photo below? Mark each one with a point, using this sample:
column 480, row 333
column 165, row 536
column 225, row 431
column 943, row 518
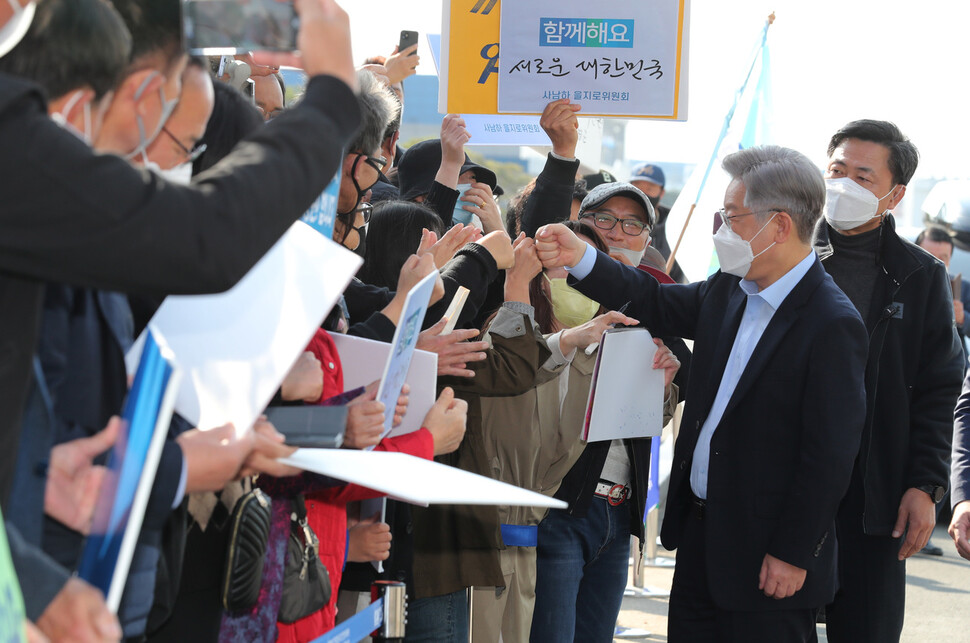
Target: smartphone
column 408, row 38
column 315, row 427
column 213, row 27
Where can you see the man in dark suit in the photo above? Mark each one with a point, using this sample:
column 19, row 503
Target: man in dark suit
column 775, row 405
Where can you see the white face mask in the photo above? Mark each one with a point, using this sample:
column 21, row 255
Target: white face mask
column 848, row 205
column 168, row 106
column 13, row 32
column 734, row 253
column 633, row 256
column 179, row 175
column 61, row 117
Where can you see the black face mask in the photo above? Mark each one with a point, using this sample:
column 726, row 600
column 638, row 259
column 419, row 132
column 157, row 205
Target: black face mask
column 654, row 201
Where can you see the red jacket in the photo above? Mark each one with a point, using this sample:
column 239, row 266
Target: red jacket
column 327, row 509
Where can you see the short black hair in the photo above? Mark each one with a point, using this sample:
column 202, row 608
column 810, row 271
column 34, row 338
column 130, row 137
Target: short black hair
column 72, row 43
column 936, row 234
column 156, row 28
column 903, row 155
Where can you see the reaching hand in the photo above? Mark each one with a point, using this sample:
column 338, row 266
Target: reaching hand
column 443, row 250
column 557, row 246
column 365, row 421
column 304, row 382
column 415, row 269
column 73, row 480
column 499, row 245
column 453, row 351
column 268, row 448
column 369, row 540
column 665, row 359
column 592, row 331
column 401, row 408
column 213, row 457
column 78, row 613
column 526, row 262
column 402, row 64
column 562, row 126
column 446, row 422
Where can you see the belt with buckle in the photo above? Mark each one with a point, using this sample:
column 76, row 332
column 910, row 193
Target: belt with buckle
column 615, row 494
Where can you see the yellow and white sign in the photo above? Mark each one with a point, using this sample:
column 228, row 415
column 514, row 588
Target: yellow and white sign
column 642, row 31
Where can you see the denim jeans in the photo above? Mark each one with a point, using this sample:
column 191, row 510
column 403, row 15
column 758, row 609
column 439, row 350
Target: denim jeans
column 581, row 572
column 438, row 619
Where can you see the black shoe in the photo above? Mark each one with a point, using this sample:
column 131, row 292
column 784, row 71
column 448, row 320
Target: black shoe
column 931, row 549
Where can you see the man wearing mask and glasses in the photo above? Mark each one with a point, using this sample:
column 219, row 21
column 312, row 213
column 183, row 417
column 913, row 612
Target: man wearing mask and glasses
column 912, row 380
column 775, row 405
column 363, row 162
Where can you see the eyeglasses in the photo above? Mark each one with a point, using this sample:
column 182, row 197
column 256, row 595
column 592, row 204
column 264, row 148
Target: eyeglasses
column 605, row 221
column 727, row 219
column 190, row 155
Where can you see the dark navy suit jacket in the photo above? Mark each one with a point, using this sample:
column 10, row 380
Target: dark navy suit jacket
column 782, row 454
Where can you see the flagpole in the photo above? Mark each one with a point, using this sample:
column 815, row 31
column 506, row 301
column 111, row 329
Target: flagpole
column 720, row 139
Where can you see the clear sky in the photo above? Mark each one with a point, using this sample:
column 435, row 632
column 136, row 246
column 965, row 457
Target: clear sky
column 833, row 61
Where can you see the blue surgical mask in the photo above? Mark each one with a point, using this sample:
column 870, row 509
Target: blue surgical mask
column 460, row 215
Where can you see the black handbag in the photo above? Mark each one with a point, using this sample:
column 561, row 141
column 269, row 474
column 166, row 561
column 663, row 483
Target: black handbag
column 248, row 533
column 306, row 582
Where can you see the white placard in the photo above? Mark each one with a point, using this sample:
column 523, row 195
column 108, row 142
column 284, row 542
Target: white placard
column 235, row 348
column 620, row 59
column 626, row 397
column 363, row 362
column 416, row 480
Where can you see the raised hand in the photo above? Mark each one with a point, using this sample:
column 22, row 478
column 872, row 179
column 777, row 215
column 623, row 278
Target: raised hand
column 499, row 245
column 562, row 126
column 454, row 353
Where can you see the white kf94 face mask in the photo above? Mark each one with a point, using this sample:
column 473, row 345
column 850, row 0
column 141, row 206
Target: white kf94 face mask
column 848, row 205
column 734, row 254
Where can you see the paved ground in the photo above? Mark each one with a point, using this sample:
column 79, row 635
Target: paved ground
column 937, row 599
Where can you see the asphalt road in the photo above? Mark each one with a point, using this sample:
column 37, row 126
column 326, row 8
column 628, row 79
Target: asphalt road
column 937, row 599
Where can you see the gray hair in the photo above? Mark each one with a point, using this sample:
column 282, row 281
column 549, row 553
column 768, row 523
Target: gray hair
column 378, row 107
column 780, row 179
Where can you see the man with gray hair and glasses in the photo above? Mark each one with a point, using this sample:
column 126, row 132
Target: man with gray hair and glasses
column 774, row 409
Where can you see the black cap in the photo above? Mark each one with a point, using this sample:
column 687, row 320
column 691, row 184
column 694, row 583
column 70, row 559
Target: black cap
column 420, row 163
column 603, row 193
column 598, row 178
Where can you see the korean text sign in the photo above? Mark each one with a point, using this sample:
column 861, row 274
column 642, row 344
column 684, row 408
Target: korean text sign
column 616, row 59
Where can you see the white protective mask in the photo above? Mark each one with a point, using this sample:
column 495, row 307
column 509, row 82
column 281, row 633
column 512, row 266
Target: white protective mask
column 848, row 205
column 144, row 139
column 179, row 175
column 734, row 253
column 61, row 117
column 16, row 28
column 633, row 256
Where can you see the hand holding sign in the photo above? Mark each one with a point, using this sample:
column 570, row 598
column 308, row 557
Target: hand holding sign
column 560, row 122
